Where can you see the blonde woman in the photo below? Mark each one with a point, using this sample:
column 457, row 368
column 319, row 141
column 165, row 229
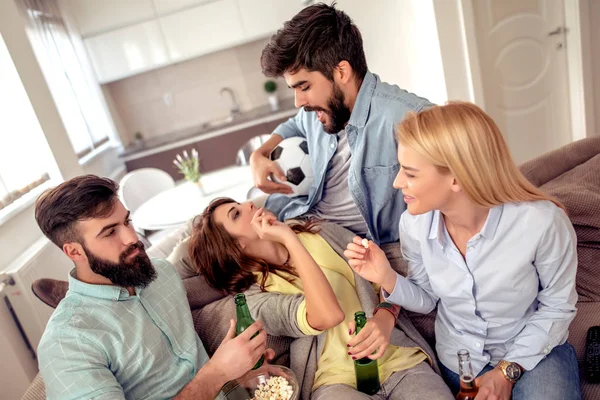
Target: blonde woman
column 496, row 255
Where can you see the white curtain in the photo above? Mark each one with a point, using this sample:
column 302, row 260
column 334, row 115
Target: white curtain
column 68, row 75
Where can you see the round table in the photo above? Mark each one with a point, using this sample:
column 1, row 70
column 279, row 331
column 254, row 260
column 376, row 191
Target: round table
column 178, row 205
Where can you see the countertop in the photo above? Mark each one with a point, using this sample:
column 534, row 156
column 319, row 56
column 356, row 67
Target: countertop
column 182, row 137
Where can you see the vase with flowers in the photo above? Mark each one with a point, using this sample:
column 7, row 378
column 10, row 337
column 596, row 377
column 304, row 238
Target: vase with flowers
column 189, row 166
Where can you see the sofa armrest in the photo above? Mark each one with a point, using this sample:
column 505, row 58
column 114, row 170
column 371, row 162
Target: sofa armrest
column 36, row 390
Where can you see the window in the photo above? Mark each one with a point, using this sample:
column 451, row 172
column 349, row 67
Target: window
column 25, row 158
column 69, row 77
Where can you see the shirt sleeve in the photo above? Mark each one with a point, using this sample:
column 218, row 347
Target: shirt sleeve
column 556, row 265
column 303, row 321
column 413, row 292
column 292, row 127
column 74, row 368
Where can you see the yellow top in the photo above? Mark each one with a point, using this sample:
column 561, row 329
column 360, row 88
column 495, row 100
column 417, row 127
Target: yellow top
column 335, row 365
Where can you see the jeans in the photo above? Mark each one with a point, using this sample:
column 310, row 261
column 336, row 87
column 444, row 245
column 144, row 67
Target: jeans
column 556, row 377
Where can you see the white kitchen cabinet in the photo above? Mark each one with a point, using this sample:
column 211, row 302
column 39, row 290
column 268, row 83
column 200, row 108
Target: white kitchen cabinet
column 204, row 29
column 169, row 6
column 127, row 51
column 99, row 16
column 262, row 18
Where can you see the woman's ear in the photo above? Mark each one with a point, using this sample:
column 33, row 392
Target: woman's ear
column 455, row 186
column 242, row 243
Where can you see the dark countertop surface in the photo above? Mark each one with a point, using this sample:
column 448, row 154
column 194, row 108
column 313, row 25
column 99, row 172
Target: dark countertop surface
column 286, row 105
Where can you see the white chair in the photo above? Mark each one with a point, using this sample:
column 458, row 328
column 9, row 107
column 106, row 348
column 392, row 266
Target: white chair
column 140, row 185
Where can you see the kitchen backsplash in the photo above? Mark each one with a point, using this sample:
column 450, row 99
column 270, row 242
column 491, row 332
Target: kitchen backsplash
column 187, row 94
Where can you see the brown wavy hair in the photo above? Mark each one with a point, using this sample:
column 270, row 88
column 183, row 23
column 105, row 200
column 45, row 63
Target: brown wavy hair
column 218, row 256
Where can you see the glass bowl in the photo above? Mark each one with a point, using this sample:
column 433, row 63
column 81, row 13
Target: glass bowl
column 244, row 387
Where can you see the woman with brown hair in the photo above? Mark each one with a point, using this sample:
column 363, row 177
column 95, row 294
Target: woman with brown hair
column 494, row 254
column 300, row 287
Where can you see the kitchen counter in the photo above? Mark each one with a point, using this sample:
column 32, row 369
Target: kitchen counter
column 206, row 131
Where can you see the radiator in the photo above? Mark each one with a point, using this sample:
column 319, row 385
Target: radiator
column 42, row 260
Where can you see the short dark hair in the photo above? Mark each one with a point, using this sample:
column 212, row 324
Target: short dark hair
column 84, row 197
column 318, row 38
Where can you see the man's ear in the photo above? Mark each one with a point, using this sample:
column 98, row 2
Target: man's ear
column 74, row 251
column 343, row 72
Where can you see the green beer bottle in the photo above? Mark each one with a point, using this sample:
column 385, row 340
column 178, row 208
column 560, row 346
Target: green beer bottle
column 367, row 373
column 244, row 320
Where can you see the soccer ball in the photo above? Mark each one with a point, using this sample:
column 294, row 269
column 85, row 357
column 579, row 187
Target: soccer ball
column 293, row 158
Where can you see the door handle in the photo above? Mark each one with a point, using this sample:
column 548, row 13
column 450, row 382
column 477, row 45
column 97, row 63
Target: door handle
column 558, row 31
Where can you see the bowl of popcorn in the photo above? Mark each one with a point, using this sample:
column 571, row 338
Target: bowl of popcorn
column 269, row 382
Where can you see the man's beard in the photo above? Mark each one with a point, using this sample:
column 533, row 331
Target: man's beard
column 339, row 113
column 139, row 272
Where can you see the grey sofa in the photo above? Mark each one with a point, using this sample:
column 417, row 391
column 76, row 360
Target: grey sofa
column 571, row 173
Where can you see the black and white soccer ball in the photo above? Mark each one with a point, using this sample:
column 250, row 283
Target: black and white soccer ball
column 293, row 158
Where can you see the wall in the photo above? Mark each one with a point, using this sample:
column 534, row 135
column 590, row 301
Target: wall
column 140, row 103
column 401, row 43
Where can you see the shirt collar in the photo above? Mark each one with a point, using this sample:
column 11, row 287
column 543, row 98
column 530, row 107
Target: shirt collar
column 108, row 292
column 488, row 231
column 360, row 112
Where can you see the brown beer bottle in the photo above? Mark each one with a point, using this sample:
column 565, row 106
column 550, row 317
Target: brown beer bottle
column 468, row 389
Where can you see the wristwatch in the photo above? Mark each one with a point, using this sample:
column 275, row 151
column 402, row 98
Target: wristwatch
column 512, row 371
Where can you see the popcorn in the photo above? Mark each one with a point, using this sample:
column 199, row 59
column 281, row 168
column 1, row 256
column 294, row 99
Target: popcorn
column 275, row 388
column 365, row 243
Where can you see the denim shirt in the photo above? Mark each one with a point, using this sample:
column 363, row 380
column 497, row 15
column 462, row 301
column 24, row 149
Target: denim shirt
column 373, row 165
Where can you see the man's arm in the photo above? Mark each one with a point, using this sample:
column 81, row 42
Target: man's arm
column 262, row 167
column 73, row 368
column 234, row 357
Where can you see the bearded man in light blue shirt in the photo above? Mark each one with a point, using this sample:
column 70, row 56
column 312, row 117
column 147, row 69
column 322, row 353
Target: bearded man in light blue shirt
column 124, row 329
column 347, row 117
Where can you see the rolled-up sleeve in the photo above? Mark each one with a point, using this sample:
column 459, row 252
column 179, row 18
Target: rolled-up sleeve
column 73, row 368
column 292, row 127
column 556, row 265
column 413, row 292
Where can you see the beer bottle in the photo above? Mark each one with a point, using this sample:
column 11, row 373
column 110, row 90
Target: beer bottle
column 468, row 389
column 367, row 373
column 244, row 320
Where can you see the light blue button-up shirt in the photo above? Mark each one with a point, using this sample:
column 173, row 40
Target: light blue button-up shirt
column 102, row 343
column 512, row 297
column 374, row 162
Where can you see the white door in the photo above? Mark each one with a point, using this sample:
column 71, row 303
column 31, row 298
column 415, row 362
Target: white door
column 521, row 47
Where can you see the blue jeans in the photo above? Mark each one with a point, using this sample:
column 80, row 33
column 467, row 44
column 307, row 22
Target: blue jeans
column 556, row 377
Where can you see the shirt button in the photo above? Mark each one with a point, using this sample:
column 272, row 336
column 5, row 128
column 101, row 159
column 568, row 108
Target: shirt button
column 478, row 344
column 332, row 146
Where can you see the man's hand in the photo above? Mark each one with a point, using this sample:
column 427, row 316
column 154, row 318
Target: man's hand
column 238, row 355
column 493, row 386
column 262, row 167
column 375, row 336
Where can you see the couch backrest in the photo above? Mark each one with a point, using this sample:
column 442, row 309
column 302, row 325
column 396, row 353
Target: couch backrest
column 572, row 175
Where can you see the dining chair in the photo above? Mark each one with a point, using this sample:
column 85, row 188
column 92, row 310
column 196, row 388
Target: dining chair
column 142, row 184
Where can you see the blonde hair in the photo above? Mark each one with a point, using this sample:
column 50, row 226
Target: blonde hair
column 460, row 138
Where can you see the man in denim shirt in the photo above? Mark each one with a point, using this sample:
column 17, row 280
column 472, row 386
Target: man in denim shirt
column 347, row 116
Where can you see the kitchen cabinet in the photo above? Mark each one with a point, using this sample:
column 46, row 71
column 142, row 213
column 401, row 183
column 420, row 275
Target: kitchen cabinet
column 200, row 30
column 127, row 51
column 94, row 16
column 261, row 18
column 168, row 6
